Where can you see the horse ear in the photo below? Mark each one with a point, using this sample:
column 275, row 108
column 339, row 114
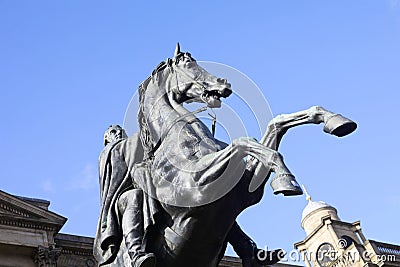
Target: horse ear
column 177, row 50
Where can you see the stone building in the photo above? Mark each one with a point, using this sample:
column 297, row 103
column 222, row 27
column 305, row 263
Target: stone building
column 333, row 242
column 29, row 236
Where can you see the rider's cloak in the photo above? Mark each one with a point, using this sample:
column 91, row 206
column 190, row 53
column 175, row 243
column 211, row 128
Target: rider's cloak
column 116, row 165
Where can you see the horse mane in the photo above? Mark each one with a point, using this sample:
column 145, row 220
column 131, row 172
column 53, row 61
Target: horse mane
column 145, row 136
column 144, row 131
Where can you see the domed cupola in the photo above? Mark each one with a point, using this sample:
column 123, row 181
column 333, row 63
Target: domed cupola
column 314, row 212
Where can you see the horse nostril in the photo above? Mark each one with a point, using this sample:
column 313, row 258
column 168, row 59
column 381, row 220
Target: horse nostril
column 226, row 92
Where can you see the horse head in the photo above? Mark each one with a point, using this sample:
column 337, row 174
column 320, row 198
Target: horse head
column 195, row 83
column 176, row 81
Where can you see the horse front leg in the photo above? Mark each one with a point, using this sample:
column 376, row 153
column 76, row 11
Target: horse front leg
column 266, row 156
column 334, row 124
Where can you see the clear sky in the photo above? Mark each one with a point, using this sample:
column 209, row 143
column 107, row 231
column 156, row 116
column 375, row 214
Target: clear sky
column 69, row 68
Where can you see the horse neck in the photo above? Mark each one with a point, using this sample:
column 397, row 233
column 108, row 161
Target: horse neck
column 160, row 110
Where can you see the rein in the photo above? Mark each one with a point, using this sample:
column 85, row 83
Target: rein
column 155, row 148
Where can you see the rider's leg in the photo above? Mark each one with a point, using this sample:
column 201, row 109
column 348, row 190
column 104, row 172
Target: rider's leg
column 130, row 205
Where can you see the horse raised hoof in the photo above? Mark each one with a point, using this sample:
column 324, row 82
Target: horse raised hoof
column 145, row 260
column 339, row 125
column 286, row 184
column 267, row 258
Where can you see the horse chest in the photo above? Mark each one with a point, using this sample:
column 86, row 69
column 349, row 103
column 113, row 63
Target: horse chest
column 196, row 141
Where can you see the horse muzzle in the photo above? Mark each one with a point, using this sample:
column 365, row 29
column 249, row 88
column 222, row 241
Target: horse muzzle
column 220, row 91
column 226, row 91
column 286, row 184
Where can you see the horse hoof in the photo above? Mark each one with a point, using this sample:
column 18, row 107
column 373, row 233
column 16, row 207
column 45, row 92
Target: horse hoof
column 286, row 184
column 339, row 125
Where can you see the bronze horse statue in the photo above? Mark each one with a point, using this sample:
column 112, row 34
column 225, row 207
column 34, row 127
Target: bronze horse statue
column 201, row 183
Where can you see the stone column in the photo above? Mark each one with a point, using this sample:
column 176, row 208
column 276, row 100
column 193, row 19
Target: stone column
column 47, row 256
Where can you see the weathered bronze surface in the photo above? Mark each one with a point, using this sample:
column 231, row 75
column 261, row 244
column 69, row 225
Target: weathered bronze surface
column 172, row 192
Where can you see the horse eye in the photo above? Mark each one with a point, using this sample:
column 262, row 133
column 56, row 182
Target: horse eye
column 190, row 64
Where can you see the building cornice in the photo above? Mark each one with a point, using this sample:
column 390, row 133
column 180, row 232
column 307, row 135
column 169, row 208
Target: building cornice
column 17, row 212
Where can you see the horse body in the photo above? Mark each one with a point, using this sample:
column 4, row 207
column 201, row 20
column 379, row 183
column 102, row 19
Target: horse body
column 187, row 153
column 197, row 234
column 202, row 183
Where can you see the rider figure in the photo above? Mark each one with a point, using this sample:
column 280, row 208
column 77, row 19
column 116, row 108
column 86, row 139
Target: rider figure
column 122, row 201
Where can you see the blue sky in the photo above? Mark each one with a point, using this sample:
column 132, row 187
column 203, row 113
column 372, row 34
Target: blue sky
column 69, row 68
